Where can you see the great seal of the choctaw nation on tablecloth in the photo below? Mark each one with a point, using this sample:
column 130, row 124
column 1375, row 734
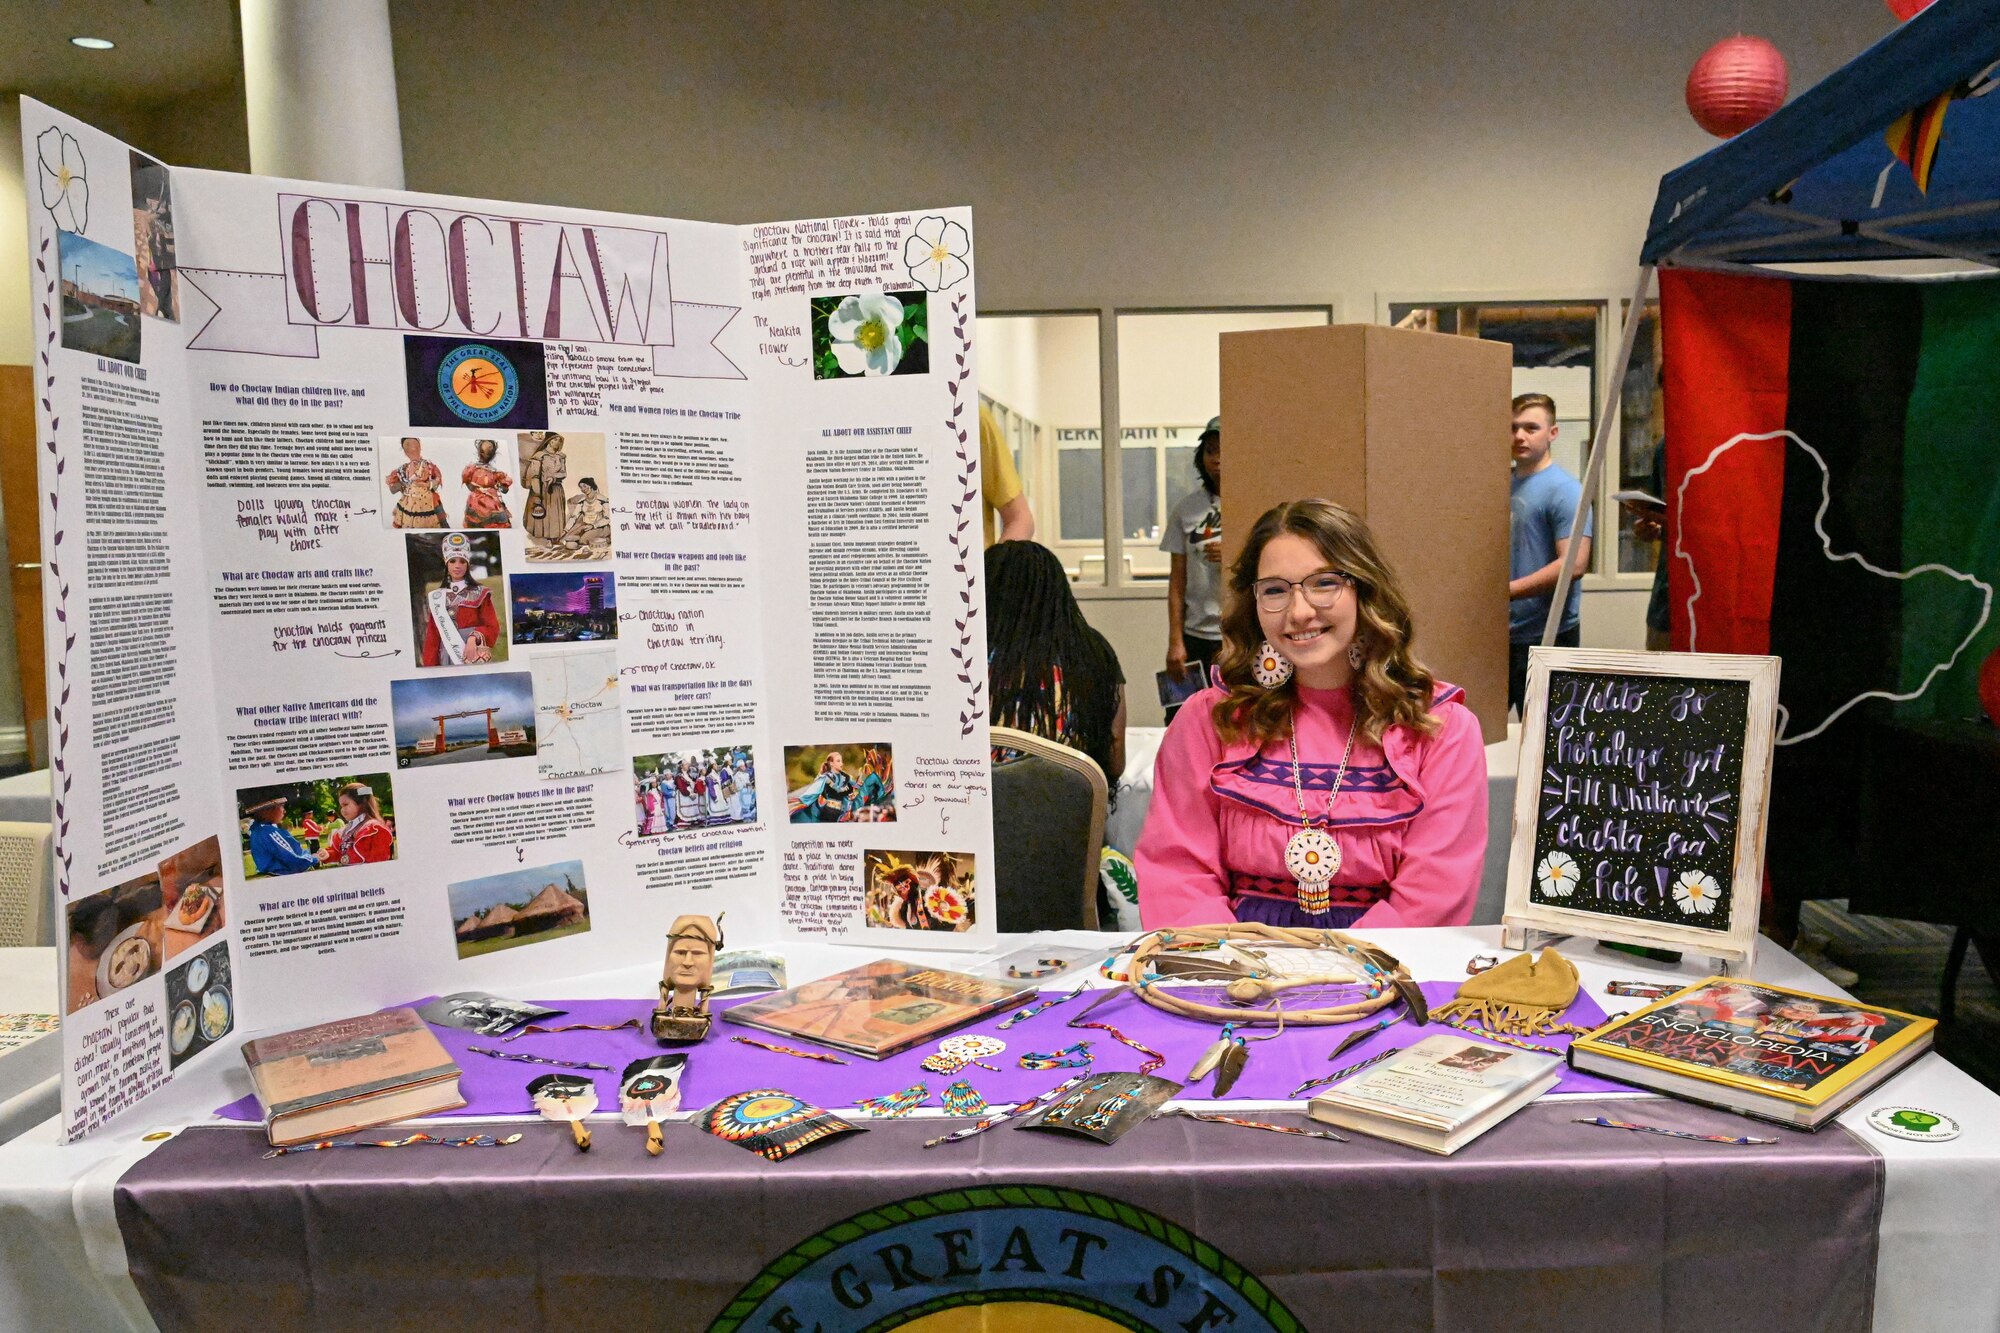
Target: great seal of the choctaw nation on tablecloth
column 1012, row 1258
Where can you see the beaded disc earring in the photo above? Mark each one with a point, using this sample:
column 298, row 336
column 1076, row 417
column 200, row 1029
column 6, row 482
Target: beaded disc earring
column 1355, row 657
column 1272, row 668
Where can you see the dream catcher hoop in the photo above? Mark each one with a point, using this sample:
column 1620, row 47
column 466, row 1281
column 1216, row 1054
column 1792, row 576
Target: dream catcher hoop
column 1256, row 977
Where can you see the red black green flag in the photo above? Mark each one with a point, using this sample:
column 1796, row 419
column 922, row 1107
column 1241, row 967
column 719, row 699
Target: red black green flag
column 1833, row 476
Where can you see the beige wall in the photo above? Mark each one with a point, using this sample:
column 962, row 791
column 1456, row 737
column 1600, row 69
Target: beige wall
column 1119, row 154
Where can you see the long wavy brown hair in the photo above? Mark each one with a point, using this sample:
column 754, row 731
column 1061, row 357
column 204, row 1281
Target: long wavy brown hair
column 1391, row 689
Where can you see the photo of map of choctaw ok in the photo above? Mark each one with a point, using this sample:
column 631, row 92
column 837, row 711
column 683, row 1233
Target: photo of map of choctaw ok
column 577, row 719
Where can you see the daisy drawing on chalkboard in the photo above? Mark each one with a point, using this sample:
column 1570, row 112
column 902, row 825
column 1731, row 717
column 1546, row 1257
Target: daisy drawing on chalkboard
column 1558, row 875
column 1696, row 891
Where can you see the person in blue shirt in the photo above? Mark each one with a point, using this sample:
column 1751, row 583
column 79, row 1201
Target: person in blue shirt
column 1543, row 503
column 273, row 849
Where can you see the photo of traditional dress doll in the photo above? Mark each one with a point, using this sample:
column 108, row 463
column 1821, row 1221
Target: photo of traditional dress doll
column 416, row 488
column 688, row 789
column 567, row 509
column 290, row 828
column 918, row 890
column 455, row 587
column 485, row 488
column 840, row 784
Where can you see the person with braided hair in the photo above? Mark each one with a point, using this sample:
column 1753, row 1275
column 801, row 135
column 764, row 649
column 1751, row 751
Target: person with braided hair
column 1048, row 672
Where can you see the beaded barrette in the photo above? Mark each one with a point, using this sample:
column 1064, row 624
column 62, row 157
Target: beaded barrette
column 896, row 1104
column 942, row 1062
column 1069, row 1057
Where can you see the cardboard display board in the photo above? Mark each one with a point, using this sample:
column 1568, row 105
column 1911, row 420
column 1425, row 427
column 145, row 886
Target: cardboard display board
column 1639, row 812
column 1408, row 430
column 446, row 595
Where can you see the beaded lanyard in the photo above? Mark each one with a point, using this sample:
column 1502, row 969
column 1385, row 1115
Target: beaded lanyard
column 471, row 1141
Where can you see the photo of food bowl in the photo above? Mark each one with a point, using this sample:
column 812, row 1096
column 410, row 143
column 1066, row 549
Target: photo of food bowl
column 181, row 1031
column 115, row 939
column 200, row 1009
column 215, row 1012
column 130, row 958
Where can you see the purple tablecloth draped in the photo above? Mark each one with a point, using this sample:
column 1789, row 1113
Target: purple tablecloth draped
column 1542, row 1224
column 719, row 1066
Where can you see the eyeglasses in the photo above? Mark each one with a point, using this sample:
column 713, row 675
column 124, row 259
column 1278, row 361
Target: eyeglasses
column 1322, row 590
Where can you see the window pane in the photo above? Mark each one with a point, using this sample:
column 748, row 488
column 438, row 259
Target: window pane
column 1038, row 378
column 1169, row 385
column 1140, row 478
column 1643, row 429
column 1555, row 352
column 1081, row 501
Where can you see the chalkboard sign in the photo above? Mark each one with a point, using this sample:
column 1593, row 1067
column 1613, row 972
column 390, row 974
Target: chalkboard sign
column 1639, row 814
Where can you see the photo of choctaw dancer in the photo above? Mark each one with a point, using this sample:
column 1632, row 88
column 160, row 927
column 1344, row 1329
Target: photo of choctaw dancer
column 840, row 784
column 453, row 581
column 689, row 789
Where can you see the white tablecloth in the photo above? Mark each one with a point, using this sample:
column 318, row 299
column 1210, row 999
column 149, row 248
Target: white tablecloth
column 62, row 1261
column 28, row 1090
column 1503, row 758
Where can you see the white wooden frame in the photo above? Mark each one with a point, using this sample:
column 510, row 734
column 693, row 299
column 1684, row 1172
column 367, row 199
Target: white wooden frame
column 1734, row 943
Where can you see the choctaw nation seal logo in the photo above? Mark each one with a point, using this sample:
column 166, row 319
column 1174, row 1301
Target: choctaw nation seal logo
column 1008, row 1259
column 478, row 383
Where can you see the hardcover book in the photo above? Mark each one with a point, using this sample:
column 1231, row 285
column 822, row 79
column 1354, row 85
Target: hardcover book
column 335, row 1078
column 880, row 1008
column 1438, row 1095
column 1783, row 1055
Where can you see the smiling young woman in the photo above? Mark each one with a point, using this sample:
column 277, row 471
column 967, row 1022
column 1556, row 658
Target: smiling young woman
column 1331, row 781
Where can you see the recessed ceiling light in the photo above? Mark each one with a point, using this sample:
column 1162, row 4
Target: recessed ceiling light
column 93, row 43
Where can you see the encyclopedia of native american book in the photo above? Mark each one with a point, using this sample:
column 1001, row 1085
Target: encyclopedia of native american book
column 880, row 1008
column 1783, row 1055
column 338, row 1077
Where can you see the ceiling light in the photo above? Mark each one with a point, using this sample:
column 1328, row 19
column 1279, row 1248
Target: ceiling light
column 93, row 43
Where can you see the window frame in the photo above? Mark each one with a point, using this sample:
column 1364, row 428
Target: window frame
column 1610, row 306
column 1040, row 476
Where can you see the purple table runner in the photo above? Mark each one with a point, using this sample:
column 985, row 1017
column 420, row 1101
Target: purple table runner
column 1541, row 1224
column 719, row 1066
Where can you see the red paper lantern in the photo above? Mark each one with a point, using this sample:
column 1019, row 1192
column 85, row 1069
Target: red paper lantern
column 1736, row 83
column 1989, row 686
column 1907, row 9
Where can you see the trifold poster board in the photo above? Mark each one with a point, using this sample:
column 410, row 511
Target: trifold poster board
column 445, row 595
column 1640, row 808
